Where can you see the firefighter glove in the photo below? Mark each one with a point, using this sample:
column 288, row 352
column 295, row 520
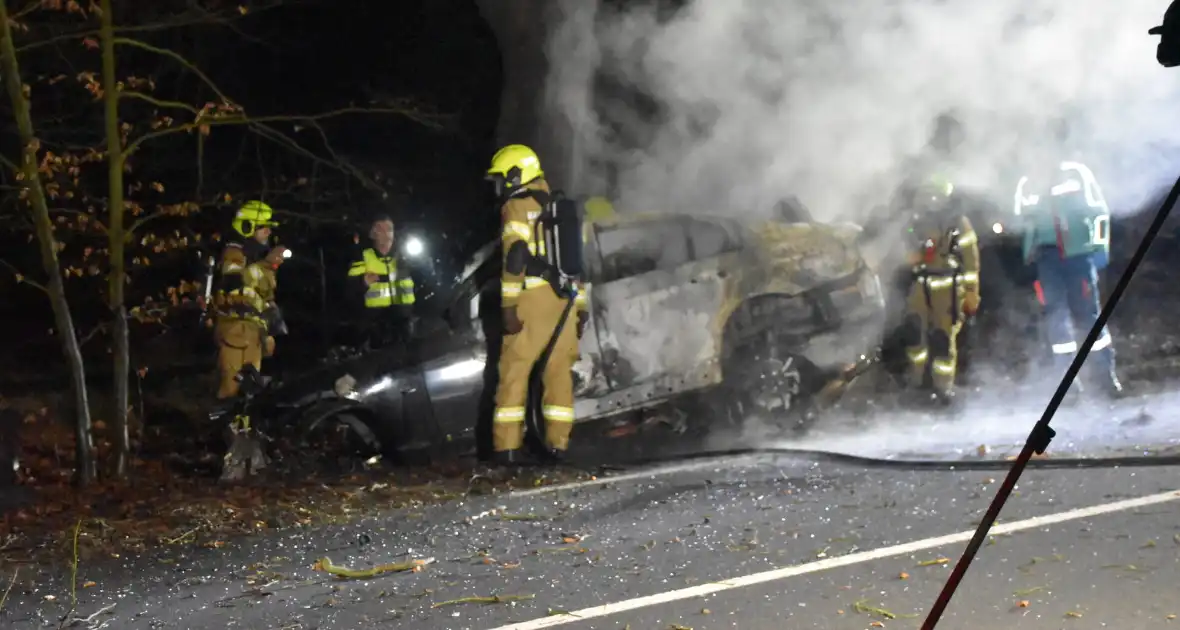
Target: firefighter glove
column 971, row 304
column 512, row 323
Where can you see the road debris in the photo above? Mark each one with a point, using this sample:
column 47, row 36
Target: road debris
column 493, row 599
column 864, row 608
column 324, row 564
column 1035, row 560
column 4, row 597
column 523, row 517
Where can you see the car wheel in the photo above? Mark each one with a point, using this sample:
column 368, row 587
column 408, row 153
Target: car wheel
column 768, row 387
column 342, row 434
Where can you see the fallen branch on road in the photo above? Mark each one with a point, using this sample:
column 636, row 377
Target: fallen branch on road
column 494, row 599
column 89, row 619
column 324, row 564
column 8, row 590
column 864, row 608
column 69, row 618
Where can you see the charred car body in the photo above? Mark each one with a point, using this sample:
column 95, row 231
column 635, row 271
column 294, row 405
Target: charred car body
column 766, row 314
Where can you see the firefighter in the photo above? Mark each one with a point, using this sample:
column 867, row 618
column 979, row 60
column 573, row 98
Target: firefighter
column 244, row 306
column 388, row 291
column 595, row 210
column 944, row 259
column 1066, row 225
column 531, row 310
column 1167, row 52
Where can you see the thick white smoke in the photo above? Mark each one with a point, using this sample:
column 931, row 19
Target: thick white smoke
column 761, row 99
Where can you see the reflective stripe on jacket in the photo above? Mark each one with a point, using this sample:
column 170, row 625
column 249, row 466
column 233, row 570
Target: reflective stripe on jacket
column 246, row 287
column 390, row 289
column 519, row 216
column 1072, row 215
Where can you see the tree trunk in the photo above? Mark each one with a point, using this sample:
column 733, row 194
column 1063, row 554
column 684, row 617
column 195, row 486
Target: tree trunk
column 522, row 29
column 117, row 277
column 47, row 242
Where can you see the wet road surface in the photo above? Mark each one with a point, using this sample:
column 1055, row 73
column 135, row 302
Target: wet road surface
column 553, row 551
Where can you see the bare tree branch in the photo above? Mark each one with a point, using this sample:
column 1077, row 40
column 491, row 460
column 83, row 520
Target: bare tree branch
column 247, row 120
column 22, row 278
column 131, row 94
column 177, row 57
column 204, row 17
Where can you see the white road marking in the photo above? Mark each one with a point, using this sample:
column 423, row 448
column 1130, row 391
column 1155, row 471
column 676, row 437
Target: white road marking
column 840, row 561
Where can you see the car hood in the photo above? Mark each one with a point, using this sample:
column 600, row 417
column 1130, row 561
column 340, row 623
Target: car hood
column 802, row 256
column 307, row 385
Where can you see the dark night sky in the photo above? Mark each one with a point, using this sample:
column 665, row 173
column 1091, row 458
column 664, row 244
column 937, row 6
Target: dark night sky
column 311, row 56
column 330, row 53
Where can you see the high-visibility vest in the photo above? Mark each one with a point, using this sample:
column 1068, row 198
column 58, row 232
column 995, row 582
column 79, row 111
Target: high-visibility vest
column 389, row 289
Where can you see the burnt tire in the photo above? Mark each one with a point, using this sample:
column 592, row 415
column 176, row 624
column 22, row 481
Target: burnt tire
column 770, row 386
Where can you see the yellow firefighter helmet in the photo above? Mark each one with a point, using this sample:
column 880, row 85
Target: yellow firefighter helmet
column 251, row 216
column 514, row 166
column 598, row 209
column 934, row 193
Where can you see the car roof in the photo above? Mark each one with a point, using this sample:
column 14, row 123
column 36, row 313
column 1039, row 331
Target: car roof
column 490, row 248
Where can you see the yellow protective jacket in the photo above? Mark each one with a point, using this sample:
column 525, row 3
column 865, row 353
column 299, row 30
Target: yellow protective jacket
column 518, row 217
column 391, row 288
column 247, row 287
column 940, row 261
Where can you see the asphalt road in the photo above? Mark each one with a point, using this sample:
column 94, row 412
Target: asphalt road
column 829, row 534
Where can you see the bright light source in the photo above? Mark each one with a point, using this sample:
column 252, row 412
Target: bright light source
column 377, row 388
column 286, row 253
column 414, row 247
column 998, row 228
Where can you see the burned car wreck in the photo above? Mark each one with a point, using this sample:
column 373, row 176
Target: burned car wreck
column 754, row 317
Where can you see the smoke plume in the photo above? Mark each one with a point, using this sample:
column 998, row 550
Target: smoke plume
column 728, row 106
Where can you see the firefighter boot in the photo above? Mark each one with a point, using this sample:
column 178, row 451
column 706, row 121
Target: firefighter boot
column 1110, row 384
column 507, row 458
column 554, row 456
column 1114, row 387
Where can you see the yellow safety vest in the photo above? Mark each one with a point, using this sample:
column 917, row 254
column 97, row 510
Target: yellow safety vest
column 389, row 289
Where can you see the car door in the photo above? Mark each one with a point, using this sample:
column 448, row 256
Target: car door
column 455, row 375
column 655, row 304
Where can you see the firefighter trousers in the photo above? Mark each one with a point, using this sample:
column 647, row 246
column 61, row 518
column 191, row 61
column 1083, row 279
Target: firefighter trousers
column 933, row 320
column 1069, row 289
column 539, row 310
column 239, row 342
